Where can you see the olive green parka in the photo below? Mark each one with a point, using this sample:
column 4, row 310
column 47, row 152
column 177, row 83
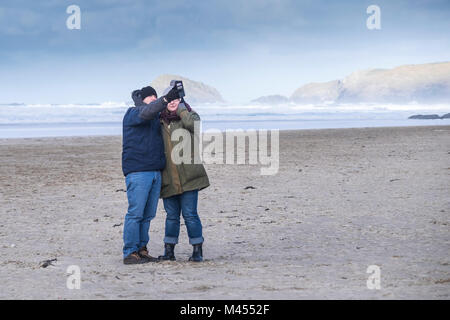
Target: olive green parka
column 187, row 175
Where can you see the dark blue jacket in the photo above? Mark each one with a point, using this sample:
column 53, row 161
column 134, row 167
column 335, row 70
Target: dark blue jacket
column 142, row 145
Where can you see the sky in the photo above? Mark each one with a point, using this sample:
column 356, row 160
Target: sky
column 245, row 49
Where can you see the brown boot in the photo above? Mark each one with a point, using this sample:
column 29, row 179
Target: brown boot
column 143, row 253
column 134, row 258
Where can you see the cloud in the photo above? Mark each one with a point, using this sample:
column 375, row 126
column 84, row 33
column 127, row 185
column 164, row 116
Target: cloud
column 275, row 44
column 17, row 22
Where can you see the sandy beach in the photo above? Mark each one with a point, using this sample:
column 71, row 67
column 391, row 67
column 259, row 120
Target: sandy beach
column 343, row 199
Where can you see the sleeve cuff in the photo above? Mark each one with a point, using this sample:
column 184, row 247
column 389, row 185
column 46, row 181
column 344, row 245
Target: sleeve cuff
column 181, row 108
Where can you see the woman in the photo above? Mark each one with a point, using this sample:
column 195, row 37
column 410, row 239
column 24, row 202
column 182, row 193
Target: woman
column 181, row 182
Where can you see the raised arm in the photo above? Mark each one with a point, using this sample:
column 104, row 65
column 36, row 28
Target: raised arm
column 188, row 118
column 148, row 111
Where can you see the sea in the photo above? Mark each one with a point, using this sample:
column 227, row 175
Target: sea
column 18, row 120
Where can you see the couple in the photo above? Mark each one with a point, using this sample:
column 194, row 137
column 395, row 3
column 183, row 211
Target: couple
column 150, row 173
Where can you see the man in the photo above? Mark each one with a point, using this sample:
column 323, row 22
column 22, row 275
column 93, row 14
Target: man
column 142, row 161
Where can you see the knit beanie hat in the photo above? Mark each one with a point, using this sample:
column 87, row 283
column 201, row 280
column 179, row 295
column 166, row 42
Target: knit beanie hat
column 148, row 91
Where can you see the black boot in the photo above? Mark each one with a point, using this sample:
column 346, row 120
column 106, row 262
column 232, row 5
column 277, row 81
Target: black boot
column 197, row 253
column 169, row 252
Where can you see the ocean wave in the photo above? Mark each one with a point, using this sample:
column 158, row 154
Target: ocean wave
column 110, row 111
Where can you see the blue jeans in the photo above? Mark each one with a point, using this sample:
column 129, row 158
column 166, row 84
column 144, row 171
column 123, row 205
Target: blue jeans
column 185, row 203
column 143, row 193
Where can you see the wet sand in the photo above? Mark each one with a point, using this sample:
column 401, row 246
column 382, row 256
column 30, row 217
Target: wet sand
column 343, row 199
